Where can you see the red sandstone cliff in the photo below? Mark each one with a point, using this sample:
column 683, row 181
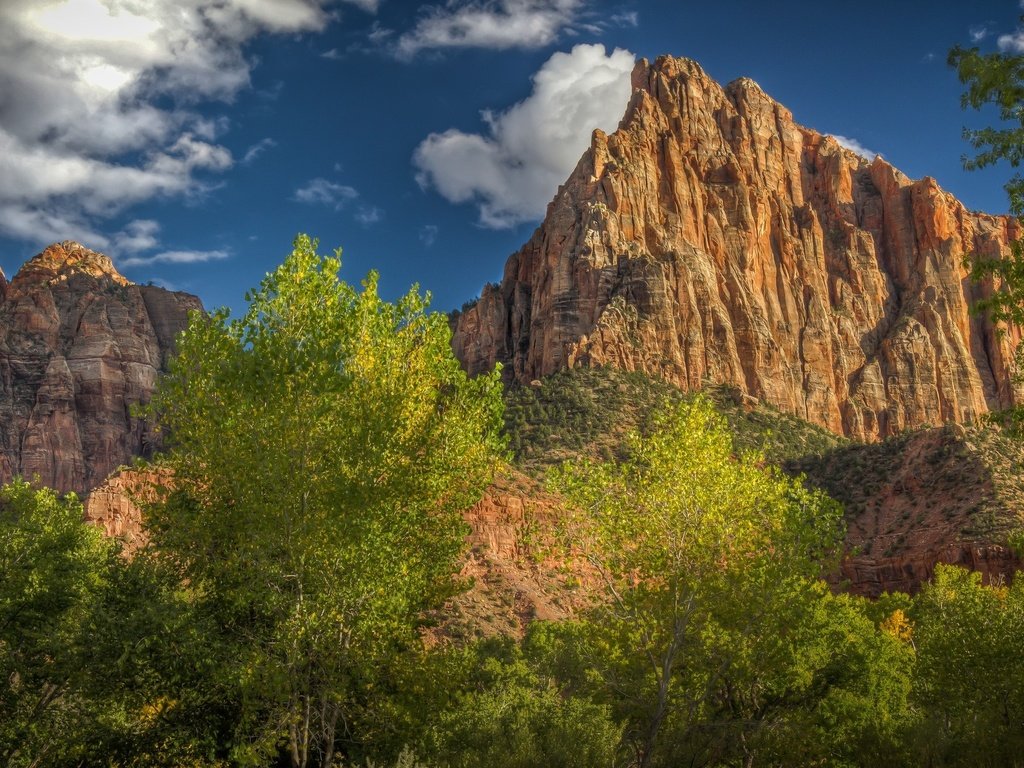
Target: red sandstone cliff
column 79, row 346
column 712, row 239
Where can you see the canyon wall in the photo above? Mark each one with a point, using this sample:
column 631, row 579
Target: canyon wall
column 80, row 347
column 711, row 239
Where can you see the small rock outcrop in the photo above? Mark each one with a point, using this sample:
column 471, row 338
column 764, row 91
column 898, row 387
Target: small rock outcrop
column 80, row 346
column 712, row 239
column 116, row 505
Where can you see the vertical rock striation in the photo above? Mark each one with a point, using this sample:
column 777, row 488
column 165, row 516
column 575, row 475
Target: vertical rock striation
column 79, row 347
column 711, row 239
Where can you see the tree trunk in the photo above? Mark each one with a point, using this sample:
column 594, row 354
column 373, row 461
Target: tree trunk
column 660, row 710
column 330, row 726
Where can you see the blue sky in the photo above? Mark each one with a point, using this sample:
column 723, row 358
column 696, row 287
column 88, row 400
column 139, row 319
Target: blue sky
column 192, row 139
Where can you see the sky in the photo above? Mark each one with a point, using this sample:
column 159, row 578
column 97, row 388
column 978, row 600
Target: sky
column 191, row 140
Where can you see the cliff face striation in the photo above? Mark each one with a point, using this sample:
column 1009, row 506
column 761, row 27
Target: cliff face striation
column 79, row 346
column 711, row 239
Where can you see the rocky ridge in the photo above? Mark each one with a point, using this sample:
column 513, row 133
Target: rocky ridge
column 938, row 495
column 80, row 346
column 712, row 239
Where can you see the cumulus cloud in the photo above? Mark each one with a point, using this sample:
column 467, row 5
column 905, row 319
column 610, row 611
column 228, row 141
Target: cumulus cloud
column 323, row 192
column 98, row 98
column 174, row 257
column 855, row 146
column 497, row 24
column 1012, row 43
column 512, row 170
column 137, row 236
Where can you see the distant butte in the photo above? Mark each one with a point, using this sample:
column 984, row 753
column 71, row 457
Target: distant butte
column 80, row 346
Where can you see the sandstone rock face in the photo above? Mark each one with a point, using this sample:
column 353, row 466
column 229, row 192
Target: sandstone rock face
column 116, row 506
column 512, row 580
column 873, row 576
column 79, row 347
column 515, row 579
column 711, row 239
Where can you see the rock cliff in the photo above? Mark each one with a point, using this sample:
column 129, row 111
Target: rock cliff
column 711, row 239
column 79, row 347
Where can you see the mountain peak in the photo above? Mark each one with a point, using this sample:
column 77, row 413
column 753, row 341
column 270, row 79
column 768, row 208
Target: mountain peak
column 645, row 72
column 713, row 239
column 60, row 260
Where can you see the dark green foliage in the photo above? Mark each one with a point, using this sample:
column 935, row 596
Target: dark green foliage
column 52, row 570
column 582, row 410
column 589, row 411
column 506, row 714
column 779, row 436
column 163, row 698
column 997, row 80
column 494, row 702
column 969, row 686
column 102, row 659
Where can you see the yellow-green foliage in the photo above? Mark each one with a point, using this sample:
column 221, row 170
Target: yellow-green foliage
column 323, row 447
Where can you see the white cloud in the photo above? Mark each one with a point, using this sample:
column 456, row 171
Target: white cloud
column 368, row 215
column 979, row 32
column 1012, row 43
column 626, row 19
column 370, row 6
column 97, row 102
column 512, row 171
column 257, row 149
column 497, row 24
column 137, row 236
column 174, row 257
column 323, row 192
column 428, row 234
column 854, row 146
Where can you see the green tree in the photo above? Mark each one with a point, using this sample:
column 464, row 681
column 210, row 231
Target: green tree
column 502, row 710
column 697, row 551
column 970, row 673
column 52, row 567
column 323, row 446
column 156, row 696
column 997, row 80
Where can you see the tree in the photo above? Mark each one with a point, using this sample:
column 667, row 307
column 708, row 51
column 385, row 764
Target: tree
column 101, row 656
column 52, row 567
column 499, row 709
column 322, row 449
column 997, row 80
column 970, row 675
column 697, row 551
column 151, row 680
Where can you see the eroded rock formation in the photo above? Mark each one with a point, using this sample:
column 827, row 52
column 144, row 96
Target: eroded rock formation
column 80, row 346
column 711, row 239
column 116, row 505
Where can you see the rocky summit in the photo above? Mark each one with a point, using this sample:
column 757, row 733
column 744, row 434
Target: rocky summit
column 80, row 346
column 711, row 239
